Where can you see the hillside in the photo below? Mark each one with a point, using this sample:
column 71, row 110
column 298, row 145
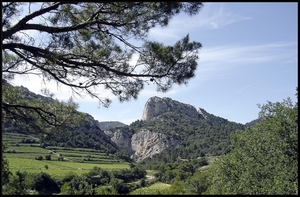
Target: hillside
column 179, row 132
column 168, row 131
column 107, row 125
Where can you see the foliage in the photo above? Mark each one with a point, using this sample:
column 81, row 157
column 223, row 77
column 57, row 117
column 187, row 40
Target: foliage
column 87, row 45
column 107, row 125
column 197, row 137
column 156, row 188
column 177, row 171
column 5, row 173
column 264, row 158
column 78, row 185
column 22, row 183
column 28, row 113
column 129, row 175
column 44, row 184
column 198, row 183
column 97, row 180
column 178, row 187
column 16, row 185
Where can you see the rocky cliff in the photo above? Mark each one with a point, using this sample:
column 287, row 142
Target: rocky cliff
column 156, row 106
column 143, row 144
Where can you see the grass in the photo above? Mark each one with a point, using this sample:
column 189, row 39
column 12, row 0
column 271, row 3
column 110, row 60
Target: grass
column 57, row 169
column 22, row 157
column 156, row 188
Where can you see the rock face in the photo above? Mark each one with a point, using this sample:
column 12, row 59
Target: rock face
column 156, row 106
column 142, row 144
column 146, row 144
column 122, row 139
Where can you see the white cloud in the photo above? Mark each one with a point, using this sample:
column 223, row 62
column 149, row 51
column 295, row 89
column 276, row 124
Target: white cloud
column 215, row 16
column 248, row 86
column 248, row 54
column 61, row 92
column 212, row 16
column 220, row 61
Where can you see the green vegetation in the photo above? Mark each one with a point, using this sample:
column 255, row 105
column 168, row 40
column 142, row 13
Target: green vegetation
column 107, row 125
column 97, row 53
column 50, row 148
column 198, row 137
column 156, row 188
column 264, row 159
column 23, row 157
column 71, row 176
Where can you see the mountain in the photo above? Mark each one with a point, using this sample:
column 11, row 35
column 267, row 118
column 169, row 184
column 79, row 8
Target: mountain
column 156, row 106
column 107, row 125
column 168, row 131
column 87, row 135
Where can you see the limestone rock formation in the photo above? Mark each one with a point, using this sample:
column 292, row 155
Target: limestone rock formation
column 147, row 143
column 142, row 144
column 122, row 139
column 156, row 106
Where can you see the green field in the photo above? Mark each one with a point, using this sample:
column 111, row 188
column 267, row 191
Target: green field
column 156, row 188
column 57, row 169
column 22, row 157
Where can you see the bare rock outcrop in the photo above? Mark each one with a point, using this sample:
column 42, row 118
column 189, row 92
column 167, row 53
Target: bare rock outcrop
column 142, row 144
column 147, row 143
column 121, row 139
column 156, row 106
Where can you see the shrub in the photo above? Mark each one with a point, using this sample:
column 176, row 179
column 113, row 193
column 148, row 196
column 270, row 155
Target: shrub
column 39, row 158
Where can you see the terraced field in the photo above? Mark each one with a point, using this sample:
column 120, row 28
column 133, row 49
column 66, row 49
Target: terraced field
column 22, row 156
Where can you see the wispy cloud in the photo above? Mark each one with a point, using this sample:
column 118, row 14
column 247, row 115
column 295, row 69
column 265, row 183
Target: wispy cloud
column 215, row 16
column 249, row 54
column 221, row 61
column 212, row 16
column 242, row 89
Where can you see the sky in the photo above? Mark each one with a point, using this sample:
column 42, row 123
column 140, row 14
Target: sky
column 249, row 56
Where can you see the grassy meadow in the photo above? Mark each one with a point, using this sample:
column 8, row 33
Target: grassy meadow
column 22, row 157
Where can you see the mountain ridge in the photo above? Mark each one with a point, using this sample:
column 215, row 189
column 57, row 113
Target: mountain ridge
column 175, row 127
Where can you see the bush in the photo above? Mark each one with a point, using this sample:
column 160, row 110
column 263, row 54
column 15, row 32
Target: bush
column 48, row 157
column 60, row 158
column 39, row 158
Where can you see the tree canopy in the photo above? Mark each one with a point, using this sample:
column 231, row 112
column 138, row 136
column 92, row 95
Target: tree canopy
column 264, row 158
column 86, row 45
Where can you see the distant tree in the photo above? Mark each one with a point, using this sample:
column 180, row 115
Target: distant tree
column 264, row 158
column 119, row 186
column 178, row 187
column 78, row 185
column 60, row 158
column 48, row 157
column 84, row 45
column 16, row 185
column 198, row 183
column 44, row 184
column 39, row 157
column 5, row 173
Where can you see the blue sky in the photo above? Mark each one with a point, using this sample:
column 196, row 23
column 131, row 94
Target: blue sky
column 249, row 56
